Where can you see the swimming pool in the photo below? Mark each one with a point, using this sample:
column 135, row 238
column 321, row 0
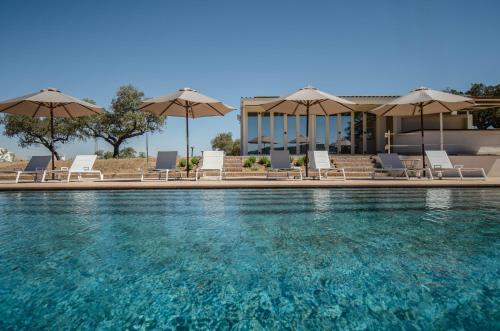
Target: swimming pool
column 243, row 259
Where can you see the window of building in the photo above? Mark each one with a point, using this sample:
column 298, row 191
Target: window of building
column 252, row 133
column 320, row 132
column 278, row 122
column 333, row 134
column 266, row 140
column 291, row 133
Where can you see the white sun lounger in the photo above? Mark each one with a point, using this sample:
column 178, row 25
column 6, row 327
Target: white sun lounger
column 211, row 161
column 441, row 164
column 320, row 161
column 166, row 162
column 82, row 165
column 37, row 167
column 392, row 165
column 280, row 162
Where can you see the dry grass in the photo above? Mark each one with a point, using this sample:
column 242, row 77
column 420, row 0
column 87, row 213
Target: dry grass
column 110, row 166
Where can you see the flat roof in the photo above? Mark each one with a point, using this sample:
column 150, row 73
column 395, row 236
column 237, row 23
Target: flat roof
column 369, row 102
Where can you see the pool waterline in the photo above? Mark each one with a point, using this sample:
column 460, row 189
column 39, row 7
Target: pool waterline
column 288, row 258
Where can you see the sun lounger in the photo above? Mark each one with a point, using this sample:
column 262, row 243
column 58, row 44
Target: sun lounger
column 166, row 162
column 82, row 165
column 320, row 161
column 280, row 162
column 441, row 164
column 392, row 165
column 211, row 161
column 37, row 167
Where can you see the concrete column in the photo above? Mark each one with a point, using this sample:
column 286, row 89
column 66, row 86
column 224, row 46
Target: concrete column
column 297, row 132
column 285, row 131
column 364, row 133
column 353, row 135
column 327, row 133
column 271, row 130
column 339, row 131
column 259, row 133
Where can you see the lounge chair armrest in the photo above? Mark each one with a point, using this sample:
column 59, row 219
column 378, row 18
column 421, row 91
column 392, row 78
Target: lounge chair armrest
column 64, row 168
column 458, row 166
column 86, row 168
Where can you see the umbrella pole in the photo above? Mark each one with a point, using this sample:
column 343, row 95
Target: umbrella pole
column 307, row 139
column 187, row 142
column 422, row 134
column 52, row 141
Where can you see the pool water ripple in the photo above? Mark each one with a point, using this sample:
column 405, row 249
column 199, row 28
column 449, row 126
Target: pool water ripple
column 418, row 259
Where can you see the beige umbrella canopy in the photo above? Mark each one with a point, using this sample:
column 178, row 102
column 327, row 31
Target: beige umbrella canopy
column 423, row 101
column 310, row 101
column 49, row 102
column 186, row 103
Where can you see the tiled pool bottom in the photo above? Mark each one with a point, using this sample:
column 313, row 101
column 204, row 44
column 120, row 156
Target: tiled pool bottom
column 414, row 259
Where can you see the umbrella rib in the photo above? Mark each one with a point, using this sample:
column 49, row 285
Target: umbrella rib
column 442, row 104
column 11, row 106
column 37, row 109
column 147, row 105
column 350, row 109
column 295, row 110
column 166, row 108
column 92, row 110
column 321, row 106
column 276, row 105
column 221, row 114
column 388, row 110
column 67, row 111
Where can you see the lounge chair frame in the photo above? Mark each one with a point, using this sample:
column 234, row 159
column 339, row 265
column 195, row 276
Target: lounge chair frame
column 399, row 171
column 82, row 164
column 211, row 161
column 441, row 163
column 166, row 162
column 320, row 161
column 280, row 162
column 37, row 167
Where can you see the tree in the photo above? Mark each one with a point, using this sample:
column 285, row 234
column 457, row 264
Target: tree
column 224, row 142
column 123, row 121
column 127, row 153
column 485, row 118
column 36, row 131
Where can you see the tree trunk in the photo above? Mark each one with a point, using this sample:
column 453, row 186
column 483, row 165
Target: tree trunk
column 116, row 150
column 53, row 150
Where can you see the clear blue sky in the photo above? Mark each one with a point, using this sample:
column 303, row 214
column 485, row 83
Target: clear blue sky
column 229, row 49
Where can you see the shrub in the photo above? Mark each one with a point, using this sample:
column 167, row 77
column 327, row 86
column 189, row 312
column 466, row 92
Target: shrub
column 195, row 160
column 301, row 161
column 247, row 163
column 265, row 161
column 252, row 159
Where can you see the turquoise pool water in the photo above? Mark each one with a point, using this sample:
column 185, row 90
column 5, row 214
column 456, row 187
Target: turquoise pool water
column 413, row 259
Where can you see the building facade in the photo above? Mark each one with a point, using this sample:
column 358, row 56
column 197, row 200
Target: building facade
column 362, row 132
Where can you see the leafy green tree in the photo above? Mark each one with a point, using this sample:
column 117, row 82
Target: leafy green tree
column 127, row 153
column 36, row 131
column 488, row 117
column 485, row 118
column 224, row 142
column 123, row 121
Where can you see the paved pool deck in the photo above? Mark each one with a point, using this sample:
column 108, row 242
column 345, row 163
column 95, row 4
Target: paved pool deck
column 250, row 184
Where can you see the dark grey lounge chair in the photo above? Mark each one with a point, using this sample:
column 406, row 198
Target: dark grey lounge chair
column 37, row 167
column 392, row 165
column 166, row 162
column 280, row 162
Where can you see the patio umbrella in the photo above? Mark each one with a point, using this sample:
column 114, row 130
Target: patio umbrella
column 301, row 139
column 186, row 103
column 309, row 101
column 423, row 101
column 49, row 102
